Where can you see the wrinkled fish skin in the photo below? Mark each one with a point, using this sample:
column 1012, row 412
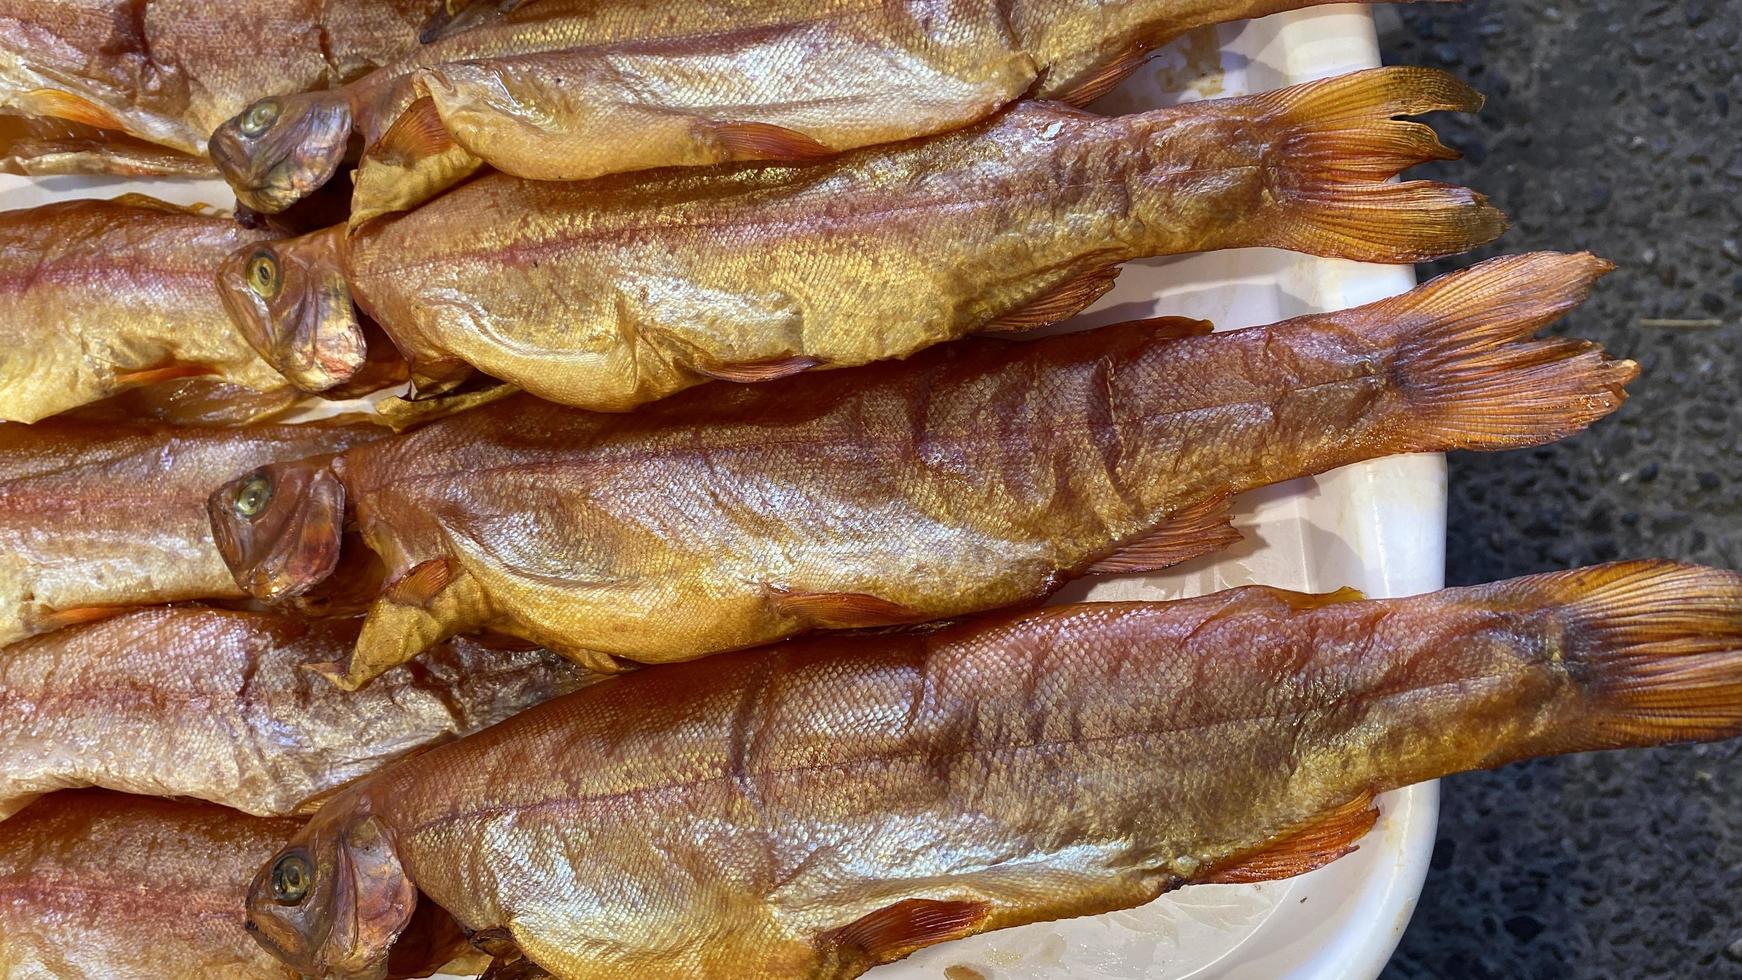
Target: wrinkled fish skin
column 105, row 514
column 165, row 73
column 971, row 476
column 213, row 705
column 812, row 809
column 611, row 293
column 97, row 297
column 574, row 89
column 102, row 886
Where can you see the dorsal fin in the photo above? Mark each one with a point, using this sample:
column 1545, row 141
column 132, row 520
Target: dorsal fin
column 1198, row 530
column 1061, row 302
column 766, row 141
column 897, row 930
column 1314, row 844
column 1105, row 79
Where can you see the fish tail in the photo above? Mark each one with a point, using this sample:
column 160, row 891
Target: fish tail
column 1338, row 142
column 1466, row 370
column 1653, row 647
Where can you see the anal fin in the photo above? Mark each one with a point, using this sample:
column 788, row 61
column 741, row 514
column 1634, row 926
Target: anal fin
column 1059, row 303
column 1198, row 530
column 894, row 931
column 1105, row 79
column 766, row 141
column 841, row 610
column 1295, row 852
column 1177, row 327
column 757, row 371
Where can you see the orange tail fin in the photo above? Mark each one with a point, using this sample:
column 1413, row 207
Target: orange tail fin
column 1655, row 646
column 1464, row 363
column 1340, row 142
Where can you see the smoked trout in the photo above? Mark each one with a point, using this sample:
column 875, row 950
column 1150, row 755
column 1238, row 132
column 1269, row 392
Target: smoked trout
column 101, row 297
column 813, row 809
column 96, row 517
column 212, row 704
column 972, row 476
column 136, row 87
column 103, row 886
column 610, row 293
column 574, row 89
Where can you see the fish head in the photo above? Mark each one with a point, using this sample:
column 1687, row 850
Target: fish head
column 279, row 149
column 280, row 527
column 332, row 902
column 291, row 302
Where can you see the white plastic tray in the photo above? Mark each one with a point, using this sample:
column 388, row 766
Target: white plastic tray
column 1379, row 527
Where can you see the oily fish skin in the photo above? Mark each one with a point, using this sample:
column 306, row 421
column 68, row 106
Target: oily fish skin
column 102, row 886
column 165, row 73
column 968, row 477
column 812, row 809
column 100, row 515
column 99, row 297
column 611, row 293
column 213, row 705
column 572, row 89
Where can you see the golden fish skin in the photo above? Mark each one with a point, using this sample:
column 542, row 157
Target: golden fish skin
column 103, row 886
column 98, row 297
column 611, row 293
column 574, row 89
column 813, row 809
column 100, row 515
column 153, row 78
column 969, row 477
column 74, row 868
column 212, row 704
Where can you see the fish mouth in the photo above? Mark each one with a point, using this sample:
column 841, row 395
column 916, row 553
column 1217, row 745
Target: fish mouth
column 304, row 323
column 272, row 166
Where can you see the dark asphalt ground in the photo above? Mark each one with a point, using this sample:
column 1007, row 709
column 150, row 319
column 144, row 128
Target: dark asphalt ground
column 1613, row 125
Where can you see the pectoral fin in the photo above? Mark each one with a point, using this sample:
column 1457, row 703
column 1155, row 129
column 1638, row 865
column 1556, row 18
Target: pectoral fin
column 758, row 371
column 72, row 108
column 174, row 371
column 841, row 610
column 435, row 600
column 1191, row 533
column 766, row 141
column 1062, row 302
column 893, row 932
column 1295, row 852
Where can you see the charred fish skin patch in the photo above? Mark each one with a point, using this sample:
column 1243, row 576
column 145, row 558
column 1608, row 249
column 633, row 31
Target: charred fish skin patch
column 1022, row 756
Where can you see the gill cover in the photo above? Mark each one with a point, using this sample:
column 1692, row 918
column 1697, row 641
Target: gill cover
column 278, row 150
column 279, row 528
column 290, row 301
column 334, row 900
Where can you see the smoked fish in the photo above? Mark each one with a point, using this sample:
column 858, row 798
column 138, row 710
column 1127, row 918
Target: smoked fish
column 610, row 293
column 575, row 89
column 103, row 886
column 101, row 297
column 135, row 87
column 813, row 809
column 212, row 704
column 969, row 477
column 97, row 517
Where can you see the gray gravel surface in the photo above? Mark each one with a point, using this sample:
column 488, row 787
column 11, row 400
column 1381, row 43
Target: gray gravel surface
column 1613, row 125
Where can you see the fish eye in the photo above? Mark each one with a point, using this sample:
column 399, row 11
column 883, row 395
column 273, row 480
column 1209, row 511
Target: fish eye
column 259, row 117
column 252, row 496
column 292, row 876
column 263, row 275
